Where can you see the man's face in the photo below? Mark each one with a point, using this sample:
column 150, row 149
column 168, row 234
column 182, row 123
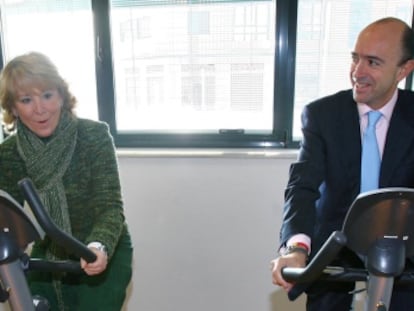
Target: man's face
column 376, row 69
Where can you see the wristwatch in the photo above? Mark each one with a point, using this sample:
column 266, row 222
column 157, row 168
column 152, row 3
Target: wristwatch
column 98, row 246
column 295, row 249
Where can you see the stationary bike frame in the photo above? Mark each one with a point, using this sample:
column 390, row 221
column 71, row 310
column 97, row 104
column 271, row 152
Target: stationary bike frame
column 379, row 228
column 17, row 231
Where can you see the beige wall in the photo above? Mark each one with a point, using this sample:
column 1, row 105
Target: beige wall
column 204, row 231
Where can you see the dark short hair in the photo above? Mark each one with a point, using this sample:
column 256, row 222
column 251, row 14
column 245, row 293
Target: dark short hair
column 407, row 44
column 407, row 38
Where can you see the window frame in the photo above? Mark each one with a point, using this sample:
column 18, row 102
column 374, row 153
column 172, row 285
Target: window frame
column 232, row 139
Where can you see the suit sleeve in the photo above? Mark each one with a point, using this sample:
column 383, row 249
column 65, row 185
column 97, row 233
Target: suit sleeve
column 305, row 179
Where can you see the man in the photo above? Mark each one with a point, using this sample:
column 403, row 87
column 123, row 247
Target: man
column 326, row 178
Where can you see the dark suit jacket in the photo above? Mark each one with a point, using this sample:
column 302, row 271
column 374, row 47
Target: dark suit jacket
column 325, row 179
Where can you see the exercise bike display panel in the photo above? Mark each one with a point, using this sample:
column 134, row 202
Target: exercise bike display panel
column 384, row 213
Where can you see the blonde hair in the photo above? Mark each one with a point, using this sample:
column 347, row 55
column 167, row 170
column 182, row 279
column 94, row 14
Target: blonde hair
column 25, row 72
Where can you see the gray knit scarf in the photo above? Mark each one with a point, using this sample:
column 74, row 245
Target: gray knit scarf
column 46, row 162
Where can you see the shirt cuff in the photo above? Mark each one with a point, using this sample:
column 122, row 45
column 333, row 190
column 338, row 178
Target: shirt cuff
column 299, row 238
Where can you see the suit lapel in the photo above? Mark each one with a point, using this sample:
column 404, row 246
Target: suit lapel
column 351, row 143
column 400, row 138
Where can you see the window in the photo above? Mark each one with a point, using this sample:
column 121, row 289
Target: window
column 193, row 67
column 192, row 73
column 49, row 27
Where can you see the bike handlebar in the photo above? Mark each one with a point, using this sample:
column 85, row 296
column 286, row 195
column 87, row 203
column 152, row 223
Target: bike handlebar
column 341, row 274
column 378, row 229
column 322, row 259
column 42, row 265
column 71, row 244
column 319, row 269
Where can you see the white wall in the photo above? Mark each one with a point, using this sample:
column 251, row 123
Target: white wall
column 204, row 231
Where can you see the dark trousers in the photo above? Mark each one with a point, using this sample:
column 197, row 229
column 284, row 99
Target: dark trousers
column 103, row 292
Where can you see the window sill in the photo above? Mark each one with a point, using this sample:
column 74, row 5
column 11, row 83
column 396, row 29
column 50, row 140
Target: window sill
column 206, row 153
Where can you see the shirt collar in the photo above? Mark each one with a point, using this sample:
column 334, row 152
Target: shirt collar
column 386, row 110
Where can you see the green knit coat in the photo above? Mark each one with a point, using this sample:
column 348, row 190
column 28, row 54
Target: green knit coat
column 92, row 187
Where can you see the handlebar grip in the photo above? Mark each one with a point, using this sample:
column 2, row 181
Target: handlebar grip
column 41, row 265
column 314, row 269
column 71, row 244
column 293, row 275
column 322, row 259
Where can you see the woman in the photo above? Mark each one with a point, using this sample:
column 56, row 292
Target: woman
column 73, row 165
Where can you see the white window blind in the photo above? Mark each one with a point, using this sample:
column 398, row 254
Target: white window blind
column 193, row 66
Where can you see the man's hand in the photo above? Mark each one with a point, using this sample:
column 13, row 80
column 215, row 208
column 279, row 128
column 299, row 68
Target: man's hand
column 294, row 259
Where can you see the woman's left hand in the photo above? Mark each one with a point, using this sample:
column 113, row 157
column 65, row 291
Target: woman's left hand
column 98, row 266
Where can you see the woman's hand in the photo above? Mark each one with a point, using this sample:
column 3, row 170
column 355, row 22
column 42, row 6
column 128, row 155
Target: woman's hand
column 98, row 266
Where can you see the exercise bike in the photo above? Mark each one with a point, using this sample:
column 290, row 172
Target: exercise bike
column 379, row 228
column 18, row 229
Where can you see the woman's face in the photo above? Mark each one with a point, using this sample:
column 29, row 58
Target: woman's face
column 39, row 110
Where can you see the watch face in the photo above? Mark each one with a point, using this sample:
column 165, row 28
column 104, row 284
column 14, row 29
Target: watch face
column 293, row 249
column 99, row 246
column 102, row 248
